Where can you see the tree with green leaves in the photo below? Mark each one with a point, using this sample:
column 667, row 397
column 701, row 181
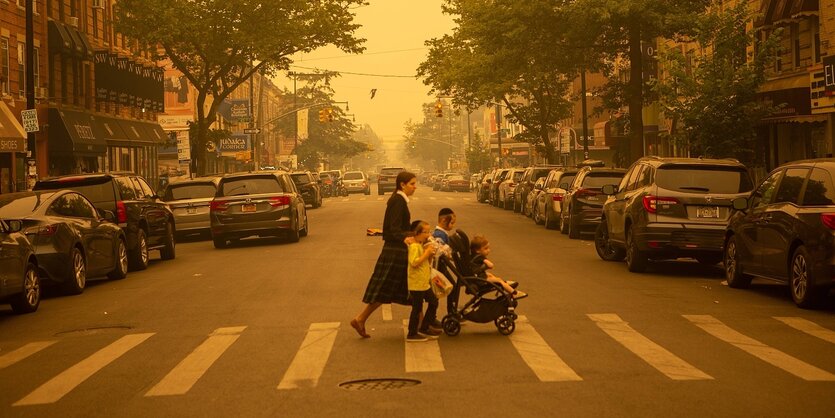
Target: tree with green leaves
column 509, row 53
column 219, row 44
column 712, row 102
column 478, row 155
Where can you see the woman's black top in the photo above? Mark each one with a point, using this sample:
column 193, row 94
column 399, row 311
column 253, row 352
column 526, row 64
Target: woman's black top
column 397, row 219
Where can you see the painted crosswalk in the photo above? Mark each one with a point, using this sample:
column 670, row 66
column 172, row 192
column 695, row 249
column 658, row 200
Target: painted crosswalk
column 313, row 357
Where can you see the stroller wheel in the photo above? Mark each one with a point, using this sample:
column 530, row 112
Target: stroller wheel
column 451, row 325
column 505, row 324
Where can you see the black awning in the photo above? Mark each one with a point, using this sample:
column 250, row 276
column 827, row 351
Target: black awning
column 110, row 130
column 154, row 132
column 59, row 39
column 77, row 44
column 142, row 133
column 85, row 44
column 73, row 132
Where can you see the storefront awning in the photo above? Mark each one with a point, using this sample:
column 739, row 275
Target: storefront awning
column 110, row 130
column 86, row 48
column 59, row 39
column 12, row 135
column 142, row 132
column 73, row 132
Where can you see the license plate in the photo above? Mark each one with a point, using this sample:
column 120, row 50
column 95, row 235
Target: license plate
column 707, row 212
column 191, row 210
column 248, row 208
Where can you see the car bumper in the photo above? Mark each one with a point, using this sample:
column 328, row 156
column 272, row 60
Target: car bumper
column 385, row 187
column 359, row 188
column 192, row 223
column 589, row 217
column 680, row 240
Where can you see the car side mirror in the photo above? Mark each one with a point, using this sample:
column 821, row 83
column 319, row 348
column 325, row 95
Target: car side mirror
column 108, row 215
column 609, row 189
column 740, row 203
column 14, row 225
column 564, row 186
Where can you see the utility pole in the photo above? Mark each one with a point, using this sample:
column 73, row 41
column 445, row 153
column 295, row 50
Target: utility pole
column 585, row 115
column 499, row 130
column 252, row 136
column 31, row 163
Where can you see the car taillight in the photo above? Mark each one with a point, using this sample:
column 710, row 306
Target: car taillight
column 557, row 197
column 48, row 231
column 121, row 212
column 218, row 206
column 364, row 184
column 828, row 219
column 328, row 181
column 585, row 192
column 651, row 203
column 280, row 201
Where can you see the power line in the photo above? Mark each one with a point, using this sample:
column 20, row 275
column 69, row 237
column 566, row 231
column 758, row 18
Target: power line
column 360, row 74
column 364, row 54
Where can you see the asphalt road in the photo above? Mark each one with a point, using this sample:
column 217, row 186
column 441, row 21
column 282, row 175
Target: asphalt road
column 262, row 329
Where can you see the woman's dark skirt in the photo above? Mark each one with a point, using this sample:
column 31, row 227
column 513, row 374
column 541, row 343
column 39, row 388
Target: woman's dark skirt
column 389, row 283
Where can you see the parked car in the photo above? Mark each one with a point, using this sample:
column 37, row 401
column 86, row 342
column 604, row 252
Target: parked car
column 525, row 186
column 507, row 188
column 456, row 183
column 387, row 178
column 533, row 195
column 482, row 191
column 357, row 182
column 20, row 284
column 145, row 218
column 438, row 184
column 548, row 205
column 498, row 178
column 263, row 204
column 72, row 240
column 308, row 185
column 785, row 231
column 189, row 202
column 582, row 203
column 666, row 208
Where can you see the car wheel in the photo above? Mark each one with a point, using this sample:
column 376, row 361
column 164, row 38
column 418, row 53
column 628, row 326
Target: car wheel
column 506, row 205
column 636, row 260
column 537, row 218
column 604, row 247
column 139, row 256
column 293, row 234
column 317, row 202
column 573, row 228
column 516, row 206
column 219, row 242
column 733, row 271
column 121, row 270
column 78, row 273
column 168, row 252
column 805, row 294
column 28, row 300
column 563, row 225
column 550, row 223
column 306, row 229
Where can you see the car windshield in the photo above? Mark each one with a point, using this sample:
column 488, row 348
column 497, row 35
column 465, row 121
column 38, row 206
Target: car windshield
column 517, row 175
column 300, row 178
column 566, row 179
column 17, row 206
column 250, row 185
column 391, row 171
column 189, row 191
column 353, row 176
column 704, row 179
column 598, row 180
column 97, row 192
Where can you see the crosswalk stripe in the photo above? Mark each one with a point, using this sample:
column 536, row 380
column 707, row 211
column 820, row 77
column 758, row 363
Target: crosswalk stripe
column 309, row 363
column 422, row 356
column 765, row 353
column 433, row 198
column 69, row 379
column 386, row 310
column 656, row 356
column 362, row 199
column 544, row 362
column 185, row 374
column 21, row 353
column 379, row 198
column 806, row 326
column 468, row 199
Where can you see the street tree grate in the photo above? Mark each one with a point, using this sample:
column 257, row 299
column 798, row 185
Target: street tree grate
column 379, row 384
column 95, row 330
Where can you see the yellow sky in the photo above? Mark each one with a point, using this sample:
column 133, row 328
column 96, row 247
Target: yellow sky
column 395, row 31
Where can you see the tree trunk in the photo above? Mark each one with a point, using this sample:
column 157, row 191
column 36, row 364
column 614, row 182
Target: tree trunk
column 635, row 95
column 550, row 155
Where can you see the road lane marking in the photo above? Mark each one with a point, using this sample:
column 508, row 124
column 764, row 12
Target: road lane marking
column 806, row 326
column 345, row 199
column 21, row 353
column 765, row 353
column 538, row 355
column 449, row 198
column 185, row 374
column 386, row 309
column 433, row 198
column 656, row 356
column 424, row 356
column 468, row 199
column 69, row 379
column 362, row 199
column 309, row 363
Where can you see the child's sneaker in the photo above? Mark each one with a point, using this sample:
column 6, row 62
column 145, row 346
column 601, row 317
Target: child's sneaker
column 519, row 294
column 415, row 338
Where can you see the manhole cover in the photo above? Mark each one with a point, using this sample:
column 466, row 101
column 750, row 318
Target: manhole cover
column 379, row 384
column 95, row 330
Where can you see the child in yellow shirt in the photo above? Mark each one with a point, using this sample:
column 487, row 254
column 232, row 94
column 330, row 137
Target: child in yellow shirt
column 420, row 253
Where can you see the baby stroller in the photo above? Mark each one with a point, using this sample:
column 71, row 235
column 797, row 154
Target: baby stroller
column 488, row 301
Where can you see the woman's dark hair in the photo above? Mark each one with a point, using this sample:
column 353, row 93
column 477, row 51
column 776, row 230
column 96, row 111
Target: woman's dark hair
column 403, row 177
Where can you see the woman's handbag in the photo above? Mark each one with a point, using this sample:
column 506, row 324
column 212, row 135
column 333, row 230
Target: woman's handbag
column 441, row 286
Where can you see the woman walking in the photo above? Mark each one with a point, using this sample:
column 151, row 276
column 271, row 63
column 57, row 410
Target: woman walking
column 388, row 283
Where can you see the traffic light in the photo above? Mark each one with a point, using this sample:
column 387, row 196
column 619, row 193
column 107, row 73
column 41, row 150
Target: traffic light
column 330, row 114
column 439, row 109
column 323, row 115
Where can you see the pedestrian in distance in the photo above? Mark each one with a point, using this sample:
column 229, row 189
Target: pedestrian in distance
column 480, row 249
column 420, row 253
column 388, row 283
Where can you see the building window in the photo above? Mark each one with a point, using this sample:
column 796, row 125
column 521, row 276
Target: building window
column 21, row 70
column 95, row 23
column 22, row 5
column 4, row 64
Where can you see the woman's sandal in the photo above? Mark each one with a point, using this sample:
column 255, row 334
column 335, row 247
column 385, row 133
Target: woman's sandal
column 359, row 328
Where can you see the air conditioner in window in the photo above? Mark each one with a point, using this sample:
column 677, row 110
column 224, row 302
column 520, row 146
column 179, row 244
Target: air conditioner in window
column 72, row 21
column 41, row 93
column 98, row 4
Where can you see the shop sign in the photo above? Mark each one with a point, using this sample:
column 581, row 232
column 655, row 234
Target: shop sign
column 234, row 144
column 12, row 145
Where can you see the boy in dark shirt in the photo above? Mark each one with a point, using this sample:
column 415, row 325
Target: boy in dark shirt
column 480, row 248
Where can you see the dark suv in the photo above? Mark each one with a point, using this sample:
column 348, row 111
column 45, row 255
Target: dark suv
column 583, row 201
column 387, row 178
column 309, row 187
column 146, row 219
column 665, row 208
column 531, row 175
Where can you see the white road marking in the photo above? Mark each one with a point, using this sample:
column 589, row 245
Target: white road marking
column 345, row 199
column 544, row 362
column 69, row 379
column 379, row 198
column 467, row 199
column 806, row 326
column 185, row 374
column 310, row 360
column 433, row 198
column 656, row 356
column 765, row 353
column 449, row 198
column 21, row 353
column 386, row 309
column 362, row 199
column 424, row 356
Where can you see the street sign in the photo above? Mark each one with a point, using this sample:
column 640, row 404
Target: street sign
column 30, row 120
column 252, row 130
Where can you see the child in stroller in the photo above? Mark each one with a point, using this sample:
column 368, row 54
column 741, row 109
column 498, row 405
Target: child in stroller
column 489, row 301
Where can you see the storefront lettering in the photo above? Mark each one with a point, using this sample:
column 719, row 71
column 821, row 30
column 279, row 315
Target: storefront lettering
column 233, row 144
column 11, row 145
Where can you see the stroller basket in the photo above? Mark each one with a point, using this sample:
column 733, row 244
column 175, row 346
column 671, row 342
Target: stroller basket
column 487, row 310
